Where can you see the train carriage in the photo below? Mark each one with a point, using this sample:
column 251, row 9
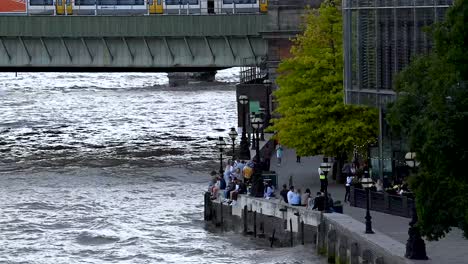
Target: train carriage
column 139, row 7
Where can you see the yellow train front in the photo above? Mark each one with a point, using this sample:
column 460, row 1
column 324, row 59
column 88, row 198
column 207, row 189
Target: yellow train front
column 144, row 7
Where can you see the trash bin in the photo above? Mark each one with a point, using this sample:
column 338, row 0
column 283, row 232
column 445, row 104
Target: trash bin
column 271, row 176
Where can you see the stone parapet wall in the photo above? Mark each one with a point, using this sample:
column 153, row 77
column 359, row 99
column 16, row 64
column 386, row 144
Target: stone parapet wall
column 337, row 236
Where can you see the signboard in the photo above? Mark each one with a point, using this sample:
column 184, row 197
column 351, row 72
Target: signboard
column 12, row 6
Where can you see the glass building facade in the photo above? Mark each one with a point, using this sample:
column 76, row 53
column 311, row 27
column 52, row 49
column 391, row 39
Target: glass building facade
column 380, row 39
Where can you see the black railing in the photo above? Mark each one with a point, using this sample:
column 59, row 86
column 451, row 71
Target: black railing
column 400, row 205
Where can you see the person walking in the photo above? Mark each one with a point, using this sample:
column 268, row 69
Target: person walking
column 279, row 153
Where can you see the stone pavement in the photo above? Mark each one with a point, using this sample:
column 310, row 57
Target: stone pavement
column 453, row 249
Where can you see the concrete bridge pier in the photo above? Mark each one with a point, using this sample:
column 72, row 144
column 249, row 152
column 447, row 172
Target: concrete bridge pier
column 185, row 78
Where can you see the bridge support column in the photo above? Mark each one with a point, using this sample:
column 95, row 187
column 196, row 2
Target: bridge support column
column 184, row 78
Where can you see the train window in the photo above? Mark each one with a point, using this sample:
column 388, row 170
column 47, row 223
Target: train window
column 159, row 2
column 40, row 2
column 150, row 2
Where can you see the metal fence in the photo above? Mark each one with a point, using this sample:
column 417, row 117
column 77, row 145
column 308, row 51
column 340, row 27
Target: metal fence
column 383, row 202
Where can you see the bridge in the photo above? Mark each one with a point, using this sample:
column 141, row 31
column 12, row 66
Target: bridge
column 157, row 43
column 130, row 43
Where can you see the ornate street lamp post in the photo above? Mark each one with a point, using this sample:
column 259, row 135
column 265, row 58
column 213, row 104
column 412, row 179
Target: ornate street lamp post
column 257, row 190
column 415, row 246
column 254, row 141
column 261, row 110
column 244, row 152
column 257, row 124
column 367, row 184
column 325, row 167
column 221, row 145
column 233, row 136
column 267, row 84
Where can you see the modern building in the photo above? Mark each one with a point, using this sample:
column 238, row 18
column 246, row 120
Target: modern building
column 380, row 39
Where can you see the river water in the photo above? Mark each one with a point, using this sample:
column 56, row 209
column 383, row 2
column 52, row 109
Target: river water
column 110, row 168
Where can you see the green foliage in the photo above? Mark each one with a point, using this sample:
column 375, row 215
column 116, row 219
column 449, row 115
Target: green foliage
column 314, row 119
column 432, row 112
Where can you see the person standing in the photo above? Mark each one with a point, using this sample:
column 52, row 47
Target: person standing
column 290, row 194
column 323, row 180
column 284, row 193
column 349, row 180
column 279, row 153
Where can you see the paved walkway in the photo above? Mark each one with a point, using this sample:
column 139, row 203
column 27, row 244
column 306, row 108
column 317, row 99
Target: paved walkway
column 453, row 249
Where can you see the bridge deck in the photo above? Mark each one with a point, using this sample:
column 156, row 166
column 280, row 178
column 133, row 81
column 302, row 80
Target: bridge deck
column 148, row 43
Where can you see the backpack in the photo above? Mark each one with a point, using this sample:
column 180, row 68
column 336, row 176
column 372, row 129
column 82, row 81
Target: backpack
column 248, row 171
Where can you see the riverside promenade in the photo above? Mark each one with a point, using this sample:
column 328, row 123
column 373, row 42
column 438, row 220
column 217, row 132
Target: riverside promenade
column 452, row 249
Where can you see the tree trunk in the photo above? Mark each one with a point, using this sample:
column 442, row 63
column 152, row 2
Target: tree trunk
column 340, row 160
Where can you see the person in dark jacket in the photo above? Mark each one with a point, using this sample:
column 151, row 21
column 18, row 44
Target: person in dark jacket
column 319, row 202
column 284, row 193
column 222, row 183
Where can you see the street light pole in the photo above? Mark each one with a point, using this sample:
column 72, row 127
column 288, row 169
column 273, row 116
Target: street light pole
column 233, row 136
column 254, row 141
column 367, row 184
column 244, row 152
column 221, row 145
column 415, row 246
column 257, row 123
column 261, row 110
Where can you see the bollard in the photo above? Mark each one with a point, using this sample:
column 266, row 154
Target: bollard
column 255, row 224
column 272, row 239
column 262, row 230
column 302, row 232
column 291, row 232
column 245, row 219
column 221, row 209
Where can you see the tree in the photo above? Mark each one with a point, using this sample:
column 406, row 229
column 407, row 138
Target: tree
column 313, row 117
column 431, row 111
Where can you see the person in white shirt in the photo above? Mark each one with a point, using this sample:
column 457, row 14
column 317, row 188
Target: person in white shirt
column 290, row 194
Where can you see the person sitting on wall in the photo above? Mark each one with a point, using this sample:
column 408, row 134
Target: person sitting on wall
column 216, row 188
column 269, row 190
column 296, row 198
column 319, row 202
column 248, row 171
column 305, row 197
column 230, row 187
column 222, row 183
column 240, row 188
column 284, row 193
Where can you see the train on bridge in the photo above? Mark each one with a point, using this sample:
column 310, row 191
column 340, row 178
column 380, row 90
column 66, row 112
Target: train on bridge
column 131, row 7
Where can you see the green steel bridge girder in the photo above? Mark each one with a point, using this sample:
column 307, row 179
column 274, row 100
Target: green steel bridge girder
column 148, row 43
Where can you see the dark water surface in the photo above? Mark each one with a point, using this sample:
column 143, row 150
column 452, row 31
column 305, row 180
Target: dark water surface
column 110, row 168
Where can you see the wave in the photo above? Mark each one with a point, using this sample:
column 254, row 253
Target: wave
column 89, row 238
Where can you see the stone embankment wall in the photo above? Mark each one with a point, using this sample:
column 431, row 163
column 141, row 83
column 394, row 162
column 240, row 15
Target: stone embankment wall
column 338, row 237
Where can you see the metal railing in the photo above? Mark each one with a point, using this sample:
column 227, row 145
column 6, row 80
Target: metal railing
column 400, row 205
column 251, row 72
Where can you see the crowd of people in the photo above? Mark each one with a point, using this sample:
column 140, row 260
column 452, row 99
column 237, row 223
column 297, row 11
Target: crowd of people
column 236, row 179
